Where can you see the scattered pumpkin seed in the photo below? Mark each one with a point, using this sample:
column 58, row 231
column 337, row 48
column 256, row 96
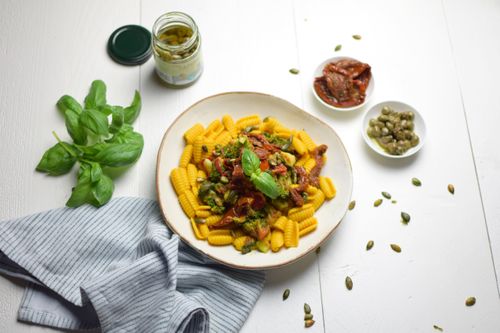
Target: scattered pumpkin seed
column 356, row 37
column 338, row 48
column 436, row 327
column 470, row 301
column 200, row 179
column 416, row 181
column 307, row 308
column 451, row 189
column 309, row 323
column 386, row 195
column 394, row 201
column 294, row 71
column 352, row 204
column 286, row 293
column 318, row 249
column 377, row 202
column 406, row 217
column 199, row 220
column 396, row 248
column 348, row 283
column 369, row 245
column 204, row 148
column 308, row 316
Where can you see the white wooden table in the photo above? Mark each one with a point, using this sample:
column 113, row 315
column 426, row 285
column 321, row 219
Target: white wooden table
column 439, row 56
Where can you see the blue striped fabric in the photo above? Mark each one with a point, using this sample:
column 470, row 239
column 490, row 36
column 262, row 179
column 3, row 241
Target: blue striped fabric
column 120, row 269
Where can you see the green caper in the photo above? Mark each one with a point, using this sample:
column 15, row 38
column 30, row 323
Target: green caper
column 383, row 118
column 385, row 131
column 372, row 122
column 389, row 125
column 386, row 139
column 386, row 110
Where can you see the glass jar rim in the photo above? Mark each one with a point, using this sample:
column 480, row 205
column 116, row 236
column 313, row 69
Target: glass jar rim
column 166, row 46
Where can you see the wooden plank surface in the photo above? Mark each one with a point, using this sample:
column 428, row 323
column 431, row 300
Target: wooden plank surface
column 420, row 54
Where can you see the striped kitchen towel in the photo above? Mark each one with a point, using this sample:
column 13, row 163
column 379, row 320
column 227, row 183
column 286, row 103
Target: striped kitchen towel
column 120, row 269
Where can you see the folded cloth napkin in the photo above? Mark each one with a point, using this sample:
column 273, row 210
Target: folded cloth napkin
column 118, row 268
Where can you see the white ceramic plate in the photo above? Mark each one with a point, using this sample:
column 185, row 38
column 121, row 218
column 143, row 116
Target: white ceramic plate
column 374, row 112
column 239, row 104
column 319, row 72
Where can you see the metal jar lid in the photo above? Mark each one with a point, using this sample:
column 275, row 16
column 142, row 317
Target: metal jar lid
column 130, row 45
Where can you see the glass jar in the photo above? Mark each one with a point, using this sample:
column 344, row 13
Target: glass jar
column 177, row 49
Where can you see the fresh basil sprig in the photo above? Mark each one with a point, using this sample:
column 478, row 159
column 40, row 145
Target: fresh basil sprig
column 263, row 181
column 111, row 145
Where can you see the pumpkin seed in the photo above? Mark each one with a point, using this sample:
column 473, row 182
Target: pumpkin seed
column 204, row 148
column 286, row 293
column 352, row 204
column 436, row 327
column 470, row 301
column 348, row 283
column 338, row 48
column 199, row 220
column 386, row 195
column 308, row 316
column 294, row 71
column 307, row 308
column 309, row 323
column 369, row 245
column 200, row 179
column 394, row 201
column 356, row 37
column 377, row 202
column 406, row 217
column 396, row 248
column 416, row 181
column 451, row 189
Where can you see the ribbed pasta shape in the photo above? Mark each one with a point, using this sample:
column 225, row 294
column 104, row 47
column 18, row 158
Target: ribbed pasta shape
column 307, row 230
column 223, row 139
column 299, row 146
column 309, row 165
column 291, row 234
column 187, row 153
column 202, row 213
column 268, row 124
column 308, row 222
column 207, row 147
column 220, row 240
column 203, row 207
column 327, row 187
column 201, row 174
column 220, row 232
column 242, row 241
column 193, row 132
column 283, row 135
column 192, row 174
column 198, row 149
column 230, row 126
column 311, row 190
column 302, row 160
column 211, row 220
column 280, row 223
column 179, row 180
column 244, row 122
column 192, row 199
column 204, row 231
column 214, row 129
column 186, row 205
column 196, row 230
column 301, row 213
column 277, row 240
column 306, row 139
column 317, row 199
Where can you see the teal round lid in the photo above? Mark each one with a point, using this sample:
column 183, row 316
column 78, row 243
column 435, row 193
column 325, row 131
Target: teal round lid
column 130, row 45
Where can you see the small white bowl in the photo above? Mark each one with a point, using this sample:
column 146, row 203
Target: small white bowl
column 375, row 111
column 319, row 72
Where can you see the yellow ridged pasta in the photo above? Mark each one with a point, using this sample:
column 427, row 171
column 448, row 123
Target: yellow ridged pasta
column 192, row 174
column 196, row 230
column 277, row 240
column 311, row 190
column 214, row 127
column 215, row 133
column 193, row 132
column 186, row 205
column 207, row 148
column 307, row 230
column 268, row 124
column 192, row 199
column 301, row 213
column 308, row 222
column 195, row 190
column 278, row 127
column 309, row 164
column 283, row 135
column 179, row 180
column 306, row 139
column 280, row 223
column 203, row 207
column 220, row 232
column 230, row 126
column 244, row 122
column 202, row 213
column 242, row 241
column 299, row 146
column 327, row 187
column 220, row 240
column 256, row 131
column 187, row 153
column 302, row 160
column 204, row 231
column 291, row 234
column 198, row 149
column 201, row 174
column 223, row 139
column 211, row 220
column 317, row 199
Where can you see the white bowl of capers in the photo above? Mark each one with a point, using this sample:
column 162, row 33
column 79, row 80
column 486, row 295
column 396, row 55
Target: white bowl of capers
column 394, row 129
